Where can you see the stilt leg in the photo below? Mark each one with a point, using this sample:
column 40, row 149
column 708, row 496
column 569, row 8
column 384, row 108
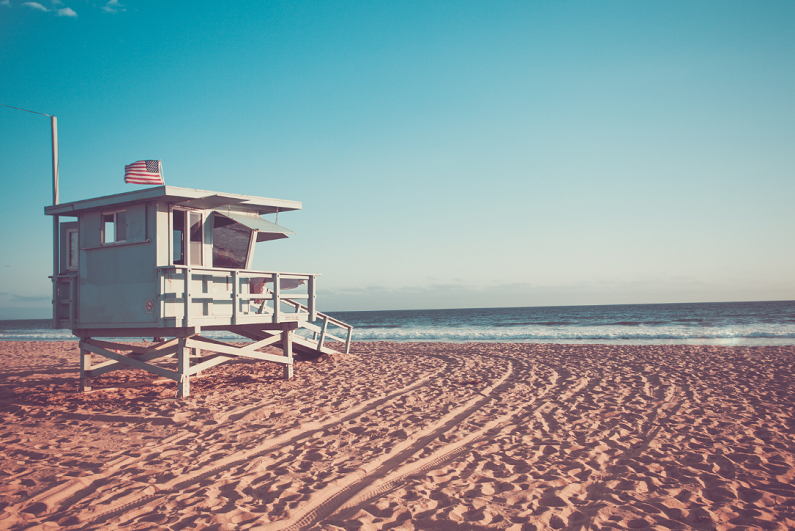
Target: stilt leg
column 287, row 349
column 183, row 365
column 85, row 371
column 197, row 354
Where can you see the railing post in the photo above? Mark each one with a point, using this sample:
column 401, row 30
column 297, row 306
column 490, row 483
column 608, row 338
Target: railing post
column 244, row 292
column 277, row 296
column 161, row 299
column 235, row 301
column 348, row 342
column 187, row 297
column 311, row 302
column 322, row 333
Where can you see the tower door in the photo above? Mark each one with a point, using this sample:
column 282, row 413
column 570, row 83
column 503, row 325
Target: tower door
column 70, row 248
column 187, row 237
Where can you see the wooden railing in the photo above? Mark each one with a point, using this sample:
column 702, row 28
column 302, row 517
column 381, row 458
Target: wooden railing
column 204, row 296
column 212, row 295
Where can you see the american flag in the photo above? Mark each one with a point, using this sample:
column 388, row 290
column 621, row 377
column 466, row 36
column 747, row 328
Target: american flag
column 144, row 172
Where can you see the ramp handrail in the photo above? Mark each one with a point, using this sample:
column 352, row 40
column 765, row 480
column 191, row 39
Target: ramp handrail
column 322, row 330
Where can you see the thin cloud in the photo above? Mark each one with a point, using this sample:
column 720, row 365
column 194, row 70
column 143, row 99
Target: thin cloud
column 62, row 12
column 5, row 3
column 35, row 5
column 113, row 7
column 30, row 298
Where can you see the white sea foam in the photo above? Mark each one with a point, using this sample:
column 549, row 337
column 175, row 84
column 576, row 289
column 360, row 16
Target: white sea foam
column 747, row 335
column 747, row 323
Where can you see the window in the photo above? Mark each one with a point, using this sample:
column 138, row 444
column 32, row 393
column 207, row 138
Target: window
column 114, row 227
column 72, row 250
column 231, row 244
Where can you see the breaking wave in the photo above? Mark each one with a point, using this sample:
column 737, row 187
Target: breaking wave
column 744, row 323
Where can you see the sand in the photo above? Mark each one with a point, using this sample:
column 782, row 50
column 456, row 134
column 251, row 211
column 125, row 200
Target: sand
column 407, row 436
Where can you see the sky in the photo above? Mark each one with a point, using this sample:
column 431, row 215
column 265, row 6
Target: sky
column 447, row 154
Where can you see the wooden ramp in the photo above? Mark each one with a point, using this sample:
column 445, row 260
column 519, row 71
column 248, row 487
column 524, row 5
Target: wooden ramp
column 320, row 333
column 309, row 347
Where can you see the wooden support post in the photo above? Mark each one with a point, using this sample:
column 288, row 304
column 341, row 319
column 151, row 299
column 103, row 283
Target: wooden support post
column 287, row 349
column 183, row 368
column 197, row 353
column 85, row 371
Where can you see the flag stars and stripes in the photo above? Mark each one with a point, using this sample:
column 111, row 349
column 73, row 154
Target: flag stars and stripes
column 144, row 172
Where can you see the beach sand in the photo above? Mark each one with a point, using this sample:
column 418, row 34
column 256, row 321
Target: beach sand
column 407, row 436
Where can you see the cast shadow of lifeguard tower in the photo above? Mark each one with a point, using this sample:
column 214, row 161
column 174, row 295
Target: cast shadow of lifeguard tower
column 173, row 263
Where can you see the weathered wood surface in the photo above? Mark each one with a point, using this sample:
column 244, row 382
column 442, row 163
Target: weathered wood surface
column 86, row 344
column 236, row 351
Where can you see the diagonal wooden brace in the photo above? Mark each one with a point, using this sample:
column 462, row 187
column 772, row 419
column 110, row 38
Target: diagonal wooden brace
column 86, row 344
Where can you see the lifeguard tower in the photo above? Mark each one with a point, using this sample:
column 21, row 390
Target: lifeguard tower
column 174, row 263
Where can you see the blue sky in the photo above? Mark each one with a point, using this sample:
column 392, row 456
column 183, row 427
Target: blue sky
column 447, row 154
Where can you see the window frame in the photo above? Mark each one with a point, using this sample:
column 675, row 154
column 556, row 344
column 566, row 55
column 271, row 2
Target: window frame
column 72, row 260
column 189, row 237
column 187, row 256
column 115, row 214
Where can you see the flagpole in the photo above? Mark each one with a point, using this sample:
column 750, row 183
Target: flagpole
column 55, row 220
column 54, row 126
column 162, row 175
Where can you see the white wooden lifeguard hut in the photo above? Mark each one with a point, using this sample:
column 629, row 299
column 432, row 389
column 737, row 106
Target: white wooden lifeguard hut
column 173, row 263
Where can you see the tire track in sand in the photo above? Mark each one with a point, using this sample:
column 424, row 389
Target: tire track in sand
column 454, row 450
column 328, row 500
column 75, row 488
column 491, row 431
column 146, row 496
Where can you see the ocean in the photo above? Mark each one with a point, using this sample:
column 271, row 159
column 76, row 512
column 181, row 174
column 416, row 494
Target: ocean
column 719, row 323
